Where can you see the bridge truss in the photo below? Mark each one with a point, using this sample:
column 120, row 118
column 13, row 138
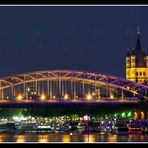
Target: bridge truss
column 69, row 85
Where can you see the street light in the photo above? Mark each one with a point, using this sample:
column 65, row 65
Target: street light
column 89, row 97
column 65, row 96
column 43, row 97
column 19, row 97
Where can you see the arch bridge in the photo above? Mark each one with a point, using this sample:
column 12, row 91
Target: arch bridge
column 69, row 85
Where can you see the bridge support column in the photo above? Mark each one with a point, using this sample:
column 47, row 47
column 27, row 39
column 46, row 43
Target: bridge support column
column 36, row 90
column 24, row 89
column 71, row 89
column 59, row 92
column 62, row 87
column 12, row 92
column 83, row 89
column 1, row 94
column 50, row 83
column 122, row 94
column 48, row 89
column 74, row 90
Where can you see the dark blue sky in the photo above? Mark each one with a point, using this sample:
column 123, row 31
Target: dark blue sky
column 83, row 38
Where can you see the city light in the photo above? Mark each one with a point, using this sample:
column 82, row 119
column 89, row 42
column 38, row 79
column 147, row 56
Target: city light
column 128, row 87
column 66, row 97
column 111, row 96
column 86, row 118
column 16, row 118
column 19, row 97
column 123, row 115
column 93, row 94
column 129, row 114
column 142, row 115
column 70, row 134
column 135, row 116
column 89, row 97
column 115, row 115
column 43, row 97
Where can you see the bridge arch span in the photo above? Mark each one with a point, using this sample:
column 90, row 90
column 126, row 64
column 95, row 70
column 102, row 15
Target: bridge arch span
column 75, row 75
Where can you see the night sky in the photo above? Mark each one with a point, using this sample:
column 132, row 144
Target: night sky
column 80, row 38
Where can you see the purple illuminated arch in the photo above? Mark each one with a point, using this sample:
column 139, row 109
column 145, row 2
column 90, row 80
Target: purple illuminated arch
column 112, row 81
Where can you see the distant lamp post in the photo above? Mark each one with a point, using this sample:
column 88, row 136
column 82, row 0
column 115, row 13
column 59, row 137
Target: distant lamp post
column 19, row 97
column 89, row 97
column 43, row 97
column 65, row 96
column 111, row 96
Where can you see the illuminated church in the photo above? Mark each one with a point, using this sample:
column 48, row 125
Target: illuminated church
column 137, row 63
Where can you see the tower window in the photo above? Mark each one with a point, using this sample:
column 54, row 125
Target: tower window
column 136, row 73
column 140, row 73
column 144, row 73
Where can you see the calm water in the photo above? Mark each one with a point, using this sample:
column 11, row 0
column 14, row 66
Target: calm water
column 75, row 137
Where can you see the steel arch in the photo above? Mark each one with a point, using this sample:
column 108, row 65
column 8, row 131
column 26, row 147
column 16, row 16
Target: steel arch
column 112, row 81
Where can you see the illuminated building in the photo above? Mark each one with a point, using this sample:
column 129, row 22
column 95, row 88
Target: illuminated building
column 137, row 64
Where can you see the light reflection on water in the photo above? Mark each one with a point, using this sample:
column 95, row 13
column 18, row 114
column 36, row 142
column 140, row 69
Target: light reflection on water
column 112, row 138
column 66, row 138
column 20, row 138
column 1, row 138
column 75, row 137
column 43, row 138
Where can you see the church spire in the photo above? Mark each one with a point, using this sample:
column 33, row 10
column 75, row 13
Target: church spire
column 138, row 52
column 138, row 31
column 138, row 44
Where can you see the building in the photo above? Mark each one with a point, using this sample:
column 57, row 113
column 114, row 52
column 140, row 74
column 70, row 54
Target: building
column 137, row 63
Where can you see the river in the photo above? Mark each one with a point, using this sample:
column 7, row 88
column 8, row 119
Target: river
column 72, row 137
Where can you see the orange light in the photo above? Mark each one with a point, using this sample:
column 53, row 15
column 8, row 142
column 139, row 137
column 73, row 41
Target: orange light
column 19, row 97
column 142, row 115
column 111, row 96
column 128, row 87
column 135, row 116
column 43, row 97
column 89, row 97
column 66, row 97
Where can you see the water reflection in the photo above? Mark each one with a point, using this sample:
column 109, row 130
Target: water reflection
column 1, row 138
column 43, row 138
column 74, row 137
column 112, row 138
column 20, row 138
column 66, row 138
column 86, row 138
column 137, row 137
column 91, row 138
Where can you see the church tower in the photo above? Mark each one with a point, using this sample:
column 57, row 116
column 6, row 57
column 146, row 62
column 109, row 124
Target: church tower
column 137, row 63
